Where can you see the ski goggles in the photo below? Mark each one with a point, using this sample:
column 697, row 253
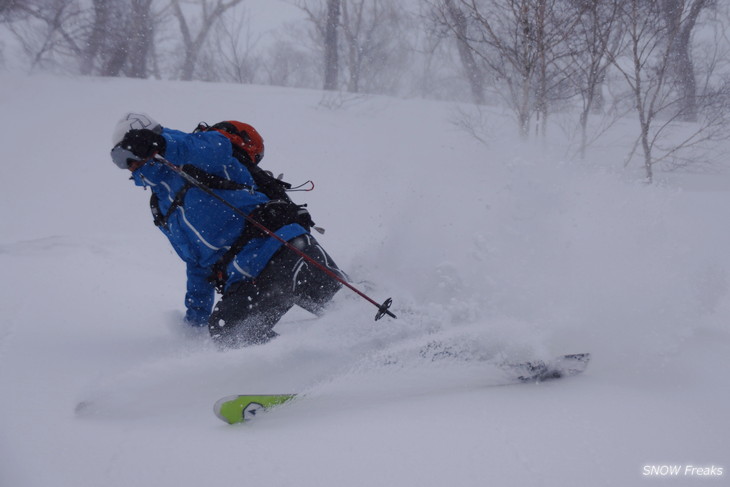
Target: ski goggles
column 122, row 157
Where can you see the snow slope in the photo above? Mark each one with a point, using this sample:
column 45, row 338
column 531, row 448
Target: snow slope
column 499, row 252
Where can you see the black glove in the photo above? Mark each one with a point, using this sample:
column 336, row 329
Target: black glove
column 143, row 143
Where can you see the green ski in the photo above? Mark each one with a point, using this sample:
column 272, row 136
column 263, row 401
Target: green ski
column 242, row 408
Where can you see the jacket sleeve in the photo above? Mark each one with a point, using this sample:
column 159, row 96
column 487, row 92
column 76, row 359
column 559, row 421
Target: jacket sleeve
column 200, row 295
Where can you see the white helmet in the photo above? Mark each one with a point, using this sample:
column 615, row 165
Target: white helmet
column 130, row 121
column 134, row 121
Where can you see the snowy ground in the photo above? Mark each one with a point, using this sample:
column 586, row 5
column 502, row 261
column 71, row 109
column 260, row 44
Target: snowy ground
column 502, row 252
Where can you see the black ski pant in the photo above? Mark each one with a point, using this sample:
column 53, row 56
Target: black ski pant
column 248, row 310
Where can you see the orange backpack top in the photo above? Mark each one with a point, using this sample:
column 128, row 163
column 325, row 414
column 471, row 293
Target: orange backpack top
column 248, row 145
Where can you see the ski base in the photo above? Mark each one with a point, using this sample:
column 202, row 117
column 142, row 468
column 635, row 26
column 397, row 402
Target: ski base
column 242, row 408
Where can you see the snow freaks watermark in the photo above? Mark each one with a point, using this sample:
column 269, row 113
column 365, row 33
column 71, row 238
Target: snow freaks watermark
column 682, row 471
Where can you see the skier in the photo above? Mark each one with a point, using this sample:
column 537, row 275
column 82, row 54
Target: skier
column 259, row 278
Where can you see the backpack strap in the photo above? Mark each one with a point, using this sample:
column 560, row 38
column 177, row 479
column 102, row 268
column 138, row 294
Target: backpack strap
column 215, row 182
column 160, row 219
column 273, row 215
column 219, row 275
column 265, row 181
column 210, row 180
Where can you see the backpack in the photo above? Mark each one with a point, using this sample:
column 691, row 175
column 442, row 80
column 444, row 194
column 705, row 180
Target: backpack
column 248, row 149
column 246, row 141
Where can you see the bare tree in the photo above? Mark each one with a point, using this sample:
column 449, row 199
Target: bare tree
column 326, row 22
column 449, row 15
column 433, row 63
column 120, row 38
column 503, row 40
column 596, row 38
column 553, row 25
column 97, row 37
column 140, row 37
column 646, row 70
column 521, row 42
column 8, row 8
column 681, row 17
column 210, row 12
column 49, row 31
column 234, row 49
column 288, row 64
column 331, row 49
column 711, row 52
column 371, row 30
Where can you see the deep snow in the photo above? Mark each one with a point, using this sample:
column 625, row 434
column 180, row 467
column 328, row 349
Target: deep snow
column 501, row 252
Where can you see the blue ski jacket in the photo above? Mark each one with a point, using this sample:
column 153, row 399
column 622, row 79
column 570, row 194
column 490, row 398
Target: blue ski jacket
column 201, row 229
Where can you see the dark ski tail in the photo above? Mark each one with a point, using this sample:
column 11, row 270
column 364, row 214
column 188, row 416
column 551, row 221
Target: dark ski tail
column 540, row 371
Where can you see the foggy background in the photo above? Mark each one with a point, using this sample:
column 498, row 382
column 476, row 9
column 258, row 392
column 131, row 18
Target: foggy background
column 566, row 67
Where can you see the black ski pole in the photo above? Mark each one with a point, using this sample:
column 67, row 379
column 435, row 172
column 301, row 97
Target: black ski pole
column 383, row 309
